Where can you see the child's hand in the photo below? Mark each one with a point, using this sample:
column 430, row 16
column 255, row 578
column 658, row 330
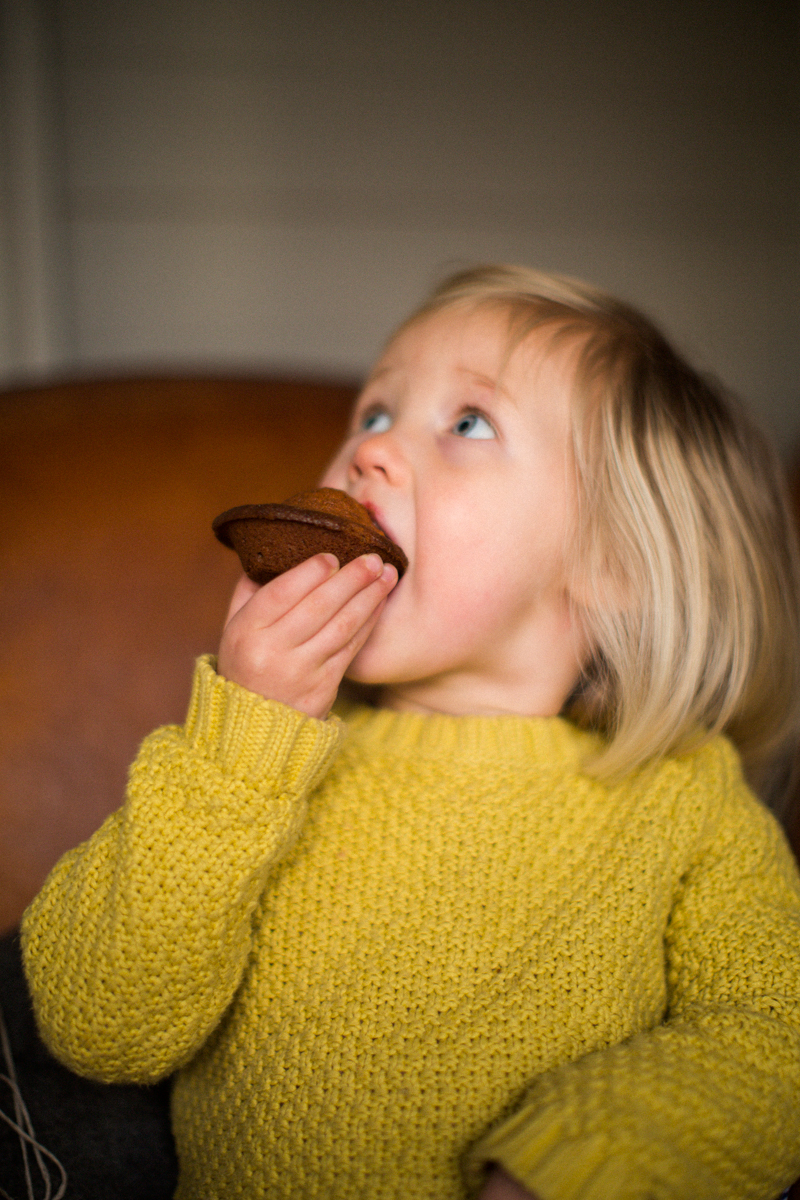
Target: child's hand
column 501, row 1186
column 293, row 639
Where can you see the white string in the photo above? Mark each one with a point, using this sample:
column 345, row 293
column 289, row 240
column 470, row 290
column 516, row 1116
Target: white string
column 23, row 1127
column 19, row 1105
column 39, row 1150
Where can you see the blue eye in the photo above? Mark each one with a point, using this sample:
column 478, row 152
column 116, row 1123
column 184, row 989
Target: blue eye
column 474, row 425
column 377, row 421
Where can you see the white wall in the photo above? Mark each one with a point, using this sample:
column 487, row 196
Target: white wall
column 258, row 184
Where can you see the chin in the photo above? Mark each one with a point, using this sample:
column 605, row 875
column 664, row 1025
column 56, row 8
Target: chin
column 373, row 668
column 372, row 664
column 361, row 673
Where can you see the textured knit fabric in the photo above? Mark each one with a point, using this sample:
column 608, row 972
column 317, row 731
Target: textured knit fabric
column 383, row 951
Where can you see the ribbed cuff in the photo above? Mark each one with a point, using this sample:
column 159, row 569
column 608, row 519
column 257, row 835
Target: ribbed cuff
column 538, row 1152
column 250, row 737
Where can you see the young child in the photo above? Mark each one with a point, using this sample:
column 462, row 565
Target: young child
column 517, row 927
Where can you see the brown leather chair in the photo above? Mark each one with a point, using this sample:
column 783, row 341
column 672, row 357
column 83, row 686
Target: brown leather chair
column 111, row 581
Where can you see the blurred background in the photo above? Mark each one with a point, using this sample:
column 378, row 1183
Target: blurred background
column 258, row 186
column 212, row 214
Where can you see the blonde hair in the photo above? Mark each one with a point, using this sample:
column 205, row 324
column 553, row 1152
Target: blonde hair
column 684, row 553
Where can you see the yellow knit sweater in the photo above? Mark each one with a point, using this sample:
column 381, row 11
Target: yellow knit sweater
column 383, row 952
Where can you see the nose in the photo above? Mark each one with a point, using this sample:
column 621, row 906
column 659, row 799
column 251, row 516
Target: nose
column 379, row 455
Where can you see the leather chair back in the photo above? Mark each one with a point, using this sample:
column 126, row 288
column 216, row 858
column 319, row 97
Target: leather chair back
column 111, row 581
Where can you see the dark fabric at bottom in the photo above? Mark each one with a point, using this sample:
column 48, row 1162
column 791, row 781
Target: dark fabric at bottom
column 114, row 1141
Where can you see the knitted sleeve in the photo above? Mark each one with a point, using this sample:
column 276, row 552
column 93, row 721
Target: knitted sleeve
column 138, row 940
column 707, row 1105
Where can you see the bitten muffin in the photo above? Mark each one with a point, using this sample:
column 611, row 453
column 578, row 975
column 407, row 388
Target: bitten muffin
column 273, row 538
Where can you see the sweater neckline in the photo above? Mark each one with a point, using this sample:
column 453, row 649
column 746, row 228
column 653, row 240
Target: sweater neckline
column 512, row 738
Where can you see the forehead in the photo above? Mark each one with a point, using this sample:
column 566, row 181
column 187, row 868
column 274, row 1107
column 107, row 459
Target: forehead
column 485, row 345
column 458, row 336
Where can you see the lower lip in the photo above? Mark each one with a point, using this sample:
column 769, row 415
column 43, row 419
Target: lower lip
column 377, row 517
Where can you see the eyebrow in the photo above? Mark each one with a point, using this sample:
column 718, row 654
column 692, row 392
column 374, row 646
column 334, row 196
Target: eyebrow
column 373, row 375
column 479, row 377
column 494, row 385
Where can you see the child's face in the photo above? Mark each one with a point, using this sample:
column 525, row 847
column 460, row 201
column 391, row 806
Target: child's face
column 464, row 460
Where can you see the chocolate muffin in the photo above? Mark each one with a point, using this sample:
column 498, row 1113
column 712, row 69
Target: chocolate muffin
column 272, row 538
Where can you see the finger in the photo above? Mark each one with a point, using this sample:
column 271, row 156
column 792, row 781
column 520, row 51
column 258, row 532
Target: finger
column 283, row 593
column 330, row 673
column 336, row 667
column 346, row 625
column 324, row 606
column 244, row 590
column 342, row 658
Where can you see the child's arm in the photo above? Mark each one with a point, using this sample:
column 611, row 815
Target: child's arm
column 137, row 942
column 707, row 1104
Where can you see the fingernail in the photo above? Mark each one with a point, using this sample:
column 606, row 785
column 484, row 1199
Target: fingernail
column 373, row 563
column 389, row 573
column 332, row 561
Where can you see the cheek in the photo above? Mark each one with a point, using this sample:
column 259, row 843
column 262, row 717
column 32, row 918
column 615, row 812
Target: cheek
column 478, row 566
column 463, row 573
column 472, row 537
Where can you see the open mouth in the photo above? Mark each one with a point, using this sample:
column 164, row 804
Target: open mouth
column 377, row 521
column 373, row 512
